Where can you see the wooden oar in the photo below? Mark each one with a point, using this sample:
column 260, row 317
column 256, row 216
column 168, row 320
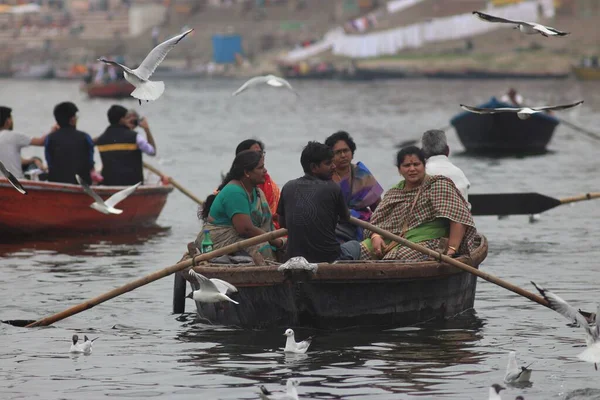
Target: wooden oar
column 580, row 129
column 452, row 261
column 156, row 276
column 519, row 203
column 174, row 183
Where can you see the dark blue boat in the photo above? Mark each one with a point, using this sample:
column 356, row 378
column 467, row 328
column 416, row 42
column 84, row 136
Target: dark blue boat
column 503, row 133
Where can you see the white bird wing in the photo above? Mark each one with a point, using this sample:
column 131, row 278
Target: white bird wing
column 512, row 366
column 205, row 283
column 565, row 309
column 89, row 191
column 116, row 64
column 548, row 30
column 560, row 107
column 249, row 83
column 491, row 18
column 285, row 83
column 157, row 55
column 121, row 195
column 480, row 110
column 12, row 179
column 223, row 286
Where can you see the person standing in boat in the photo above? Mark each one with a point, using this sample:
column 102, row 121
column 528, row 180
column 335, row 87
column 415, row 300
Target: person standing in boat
column 310, row 208
column 239, row 210
column 359, row 187
column 436, row 150
column 69, row 151
column 424, row 209
column 12, row 142
column 121, row 149
column 513, row 98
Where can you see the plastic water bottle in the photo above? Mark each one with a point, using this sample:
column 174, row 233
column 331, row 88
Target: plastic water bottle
column 207, row 244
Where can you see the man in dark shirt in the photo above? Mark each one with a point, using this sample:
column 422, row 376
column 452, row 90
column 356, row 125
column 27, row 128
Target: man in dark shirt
column 310, row 207
column 68, row 151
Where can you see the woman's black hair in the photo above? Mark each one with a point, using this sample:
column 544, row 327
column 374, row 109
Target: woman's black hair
column 246, row 144
column 245, row 161
column 341, row 135
column 409, row 151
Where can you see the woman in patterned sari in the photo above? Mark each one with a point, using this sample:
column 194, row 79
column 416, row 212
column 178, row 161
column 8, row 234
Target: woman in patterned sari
column 359, row 187
column 428, row 210
column 240, row 210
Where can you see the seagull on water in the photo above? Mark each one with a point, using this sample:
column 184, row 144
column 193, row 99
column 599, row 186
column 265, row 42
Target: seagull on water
column 522, row 112
column 291, row 346
column 108, row 206
column 78, row 347
column 514, row 374
column 270, row 80
column 145, row 89
column 495, row 391
column 211, row 290
column 290, row 394
column 592, row 329
column 12, row 179
column 529, row 28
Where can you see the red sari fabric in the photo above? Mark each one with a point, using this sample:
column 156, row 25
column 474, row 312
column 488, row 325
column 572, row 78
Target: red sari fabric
column 272, row 193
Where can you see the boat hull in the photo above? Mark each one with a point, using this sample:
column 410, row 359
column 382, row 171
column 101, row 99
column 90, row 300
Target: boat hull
column 114, row 90
column 341, row 295
column 504, row 133
column 65, row 209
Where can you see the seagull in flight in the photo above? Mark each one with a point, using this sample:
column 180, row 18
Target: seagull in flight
column 522, row 112
column 12, row 179
column 291, row 346
column 290, row 394
column 592, row 329
column 211, row 290
column 270, row 80
column 108, row 206
column 514, row 374
column 145, row 89
column 495, row 392
column 78, row 347
column 528, row 28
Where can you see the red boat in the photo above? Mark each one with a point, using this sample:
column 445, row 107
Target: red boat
column 115, row 90
column 65, row 209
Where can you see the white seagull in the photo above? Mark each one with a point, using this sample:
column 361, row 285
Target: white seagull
column 529, row 28
column 270, row 80
column 146, row 89
column 522, row 112
column 495, row 391
column 108, row 206
column 290, row 394
column 514, row 374
column 291, row 346
column 211, row 290
column 12, row 179
column 78, row 347
column 592, row 329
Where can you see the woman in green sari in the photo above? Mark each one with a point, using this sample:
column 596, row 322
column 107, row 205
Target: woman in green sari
column 239, row 210
column 428, row 210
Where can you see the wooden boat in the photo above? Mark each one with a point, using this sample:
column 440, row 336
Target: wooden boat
column 115, row 90
column 504, row 133
column 344, row 294
column 482, row 74
column 63, row 208
column 587, row 73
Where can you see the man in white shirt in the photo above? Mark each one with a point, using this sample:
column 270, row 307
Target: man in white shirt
column 436, row 150
column 11, row 144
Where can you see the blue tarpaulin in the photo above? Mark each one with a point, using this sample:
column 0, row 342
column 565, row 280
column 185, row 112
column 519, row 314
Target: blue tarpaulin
column 225, row 47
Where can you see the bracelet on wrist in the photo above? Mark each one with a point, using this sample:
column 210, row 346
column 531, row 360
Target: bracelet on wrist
column 452, row 248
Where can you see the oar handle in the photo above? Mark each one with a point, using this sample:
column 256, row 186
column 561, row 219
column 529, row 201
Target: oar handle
column 573, row 199
column 174, row 183
column 157, row 275
column 452, row 261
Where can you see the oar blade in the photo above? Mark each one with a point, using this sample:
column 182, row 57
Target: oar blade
column 511, row 203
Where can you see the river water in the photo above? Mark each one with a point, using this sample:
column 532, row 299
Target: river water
column 145, row 351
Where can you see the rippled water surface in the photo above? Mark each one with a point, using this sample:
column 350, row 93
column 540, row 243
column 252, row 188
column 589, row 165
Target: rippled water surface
column 145, row 351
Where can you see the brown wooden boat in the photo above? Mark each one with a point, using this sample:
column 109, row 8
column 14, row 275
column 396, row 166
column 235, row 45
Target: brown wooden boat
column 116, row 90
column 343, row 294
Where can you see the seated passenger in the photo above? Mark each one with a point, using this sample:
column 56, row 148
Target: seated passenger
column 240, row 211
column 423, row 209
column 360, row 189
column 310, row 208
column 68, row 151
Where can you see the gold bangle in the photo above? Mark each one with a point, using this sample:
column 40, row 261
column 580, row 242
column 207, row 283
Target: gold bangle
column 453, row 248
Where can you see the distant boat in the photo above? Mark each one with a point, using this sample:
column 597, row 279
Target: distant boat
column 587, row 73
column 113, row 90
column 503, row 133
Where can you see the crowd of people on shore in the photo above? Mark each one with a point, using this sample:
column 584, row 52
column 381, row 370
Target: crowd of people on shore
column 428, row 206
column 69, row 151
